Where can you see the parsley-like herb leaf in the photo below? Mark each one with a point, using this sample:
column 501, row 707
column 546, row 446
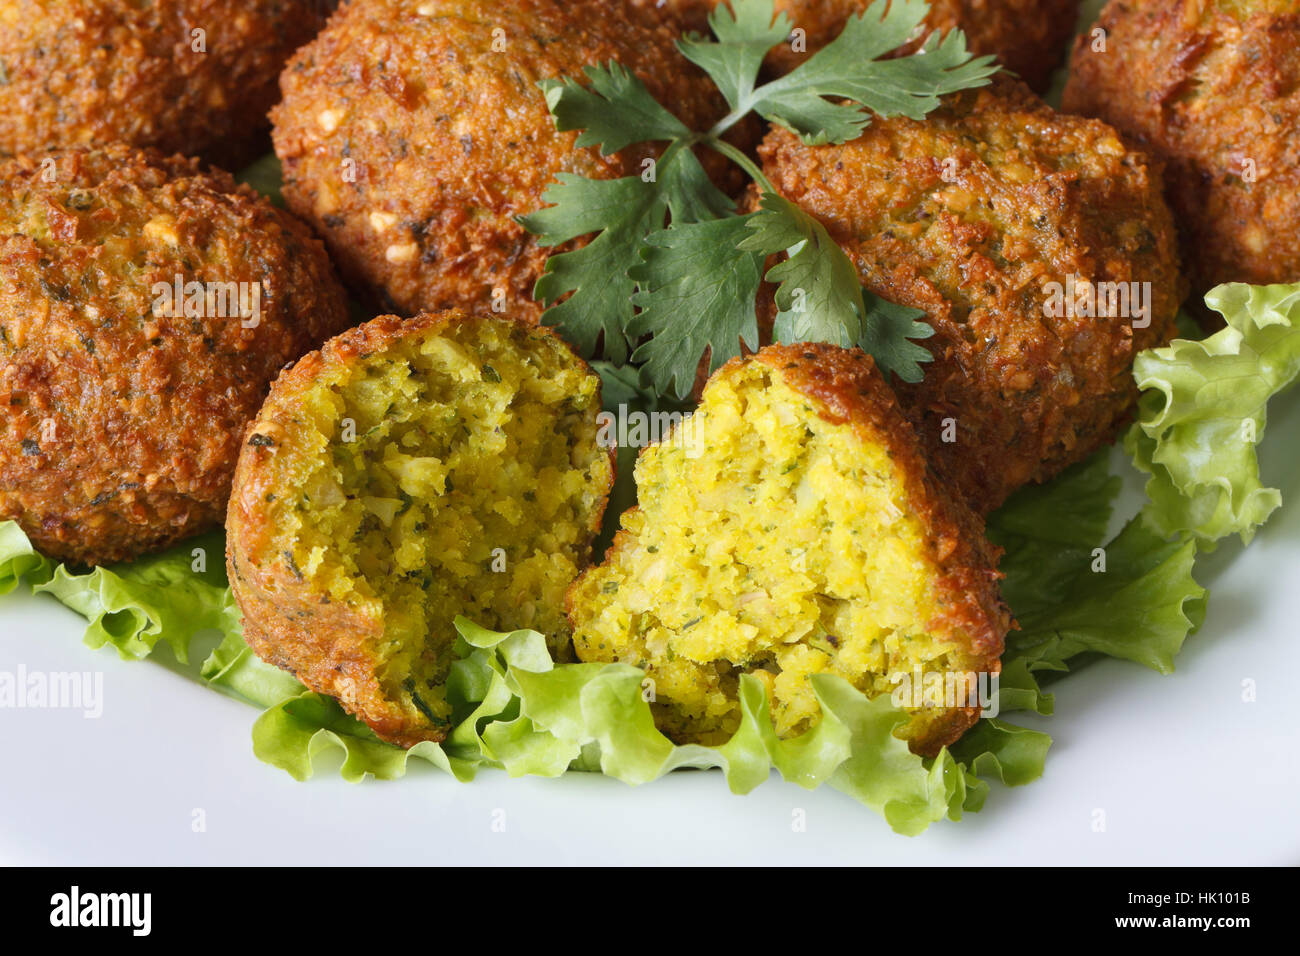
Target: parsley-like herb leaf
column 820, row 297
column 849, row 67
column 890, row 327
column 668, row 244
column 622, row 213
column 745, row 33
column 614, row 112
column 697, row 294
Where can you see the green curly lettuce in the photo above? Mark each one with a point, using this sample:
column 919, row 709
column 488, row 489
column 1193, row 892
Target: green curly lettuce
column 1072, row 592
column 170, row 597
column 1204, row 412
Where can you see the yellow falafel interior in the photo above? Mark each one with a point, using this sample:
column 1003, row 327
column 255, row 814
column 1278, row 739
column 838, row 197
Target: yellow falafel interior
column 775, row 541
column 453, row 469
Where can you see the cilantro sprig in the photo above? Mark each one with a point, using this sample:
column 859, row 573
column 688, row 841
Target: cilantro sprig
column 673, row 272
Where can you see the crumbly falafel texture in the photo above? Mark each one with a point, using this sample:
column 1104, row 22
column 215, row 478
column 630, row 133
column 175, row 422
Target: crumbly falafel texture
column 413, row 135
column 194, row 77
column 407, row 473
column 1027, row 36
column 981, row 216
column 123, row 409
column 790, row 528
column 1211, row 88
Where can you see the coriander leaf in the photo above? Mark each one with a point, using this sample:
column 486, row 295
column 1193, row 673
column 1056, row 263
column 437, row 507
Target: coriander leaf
column 746, row 31
column 697, row 293
column 848, row 68
column 622, row 385
column 889, row 330
column 820, row 297
column 622, row 212
column 1204, row 411
column 613, row 113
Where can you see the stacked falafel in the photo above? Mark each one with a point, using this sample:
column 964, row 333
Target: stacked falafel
column 412, row 470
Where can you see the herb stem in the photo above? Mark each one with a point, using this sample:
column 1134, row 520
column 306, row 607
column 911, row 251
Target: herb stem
column 741, row 160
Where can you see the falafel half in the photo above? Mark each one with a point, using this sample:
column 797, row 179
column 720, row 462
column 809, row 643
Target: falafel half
column 184, row 76
column 413, row 135
column 145, row 307
column 1027, row 36
column 790, row 528
column 408, row 472
column 1212, row 88
column 1039, row 247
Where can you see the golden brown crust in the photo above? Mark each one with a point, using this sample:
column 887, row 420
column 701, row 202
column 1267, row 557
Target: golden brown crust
column 971, row 216
column 1027, row 36
column 122, row 424
column 328, row 646
column 845, row 388
column 1215, row 93
column 90, row 72
column 450, row 137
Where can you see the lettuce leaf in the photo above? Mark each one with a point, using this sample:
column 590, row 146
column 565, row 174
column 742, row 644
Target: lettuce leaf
column 19, row 560
column 1204, row 412
column 169, row 597
column 1074, row 593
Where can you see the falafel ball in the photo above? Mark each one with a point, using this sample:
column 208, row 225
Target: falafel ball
column 1027, row 36
column 145, row 307
column 1039, row 247
column 791, row 528
column 412, row 135
column 185, row 76
column 408, row 472
column 1213, row 89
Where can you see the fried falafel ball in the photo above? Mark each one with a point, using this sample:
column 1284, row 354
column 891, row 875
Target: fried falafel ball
column 1000, row 218
column 791, row 528
column 413, row 135
column 1027, row 36
column 124, row 400
column 185, row 76
column 408, row 472
column 1212, row 88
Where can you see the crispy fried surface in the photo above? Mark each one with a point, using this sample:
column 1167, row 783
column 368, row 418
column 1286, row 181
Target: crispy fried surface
column 408, row 472
column 88, row 72
column 451, row 138
column 792, row 528
column 1027, row 36
column 121, row 424
column 968, row 216
column 1213, row 89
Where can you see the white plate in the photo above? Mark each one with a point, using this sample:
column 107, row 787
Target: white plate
column 1184, row 770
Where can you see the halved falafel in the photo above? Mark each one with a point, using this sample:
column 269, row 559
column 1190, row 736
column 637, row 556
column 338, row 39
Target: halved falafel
column 1212, row 88
column 790, row 528
column 413, row 134
column 184, row 76
column 1042, row 252
column 408, row 472
column 1027, row 36
column 145, row 307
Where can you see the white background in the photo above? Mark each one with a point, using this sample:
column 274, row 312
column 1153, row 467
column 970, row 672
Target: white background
column 1185, row 771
